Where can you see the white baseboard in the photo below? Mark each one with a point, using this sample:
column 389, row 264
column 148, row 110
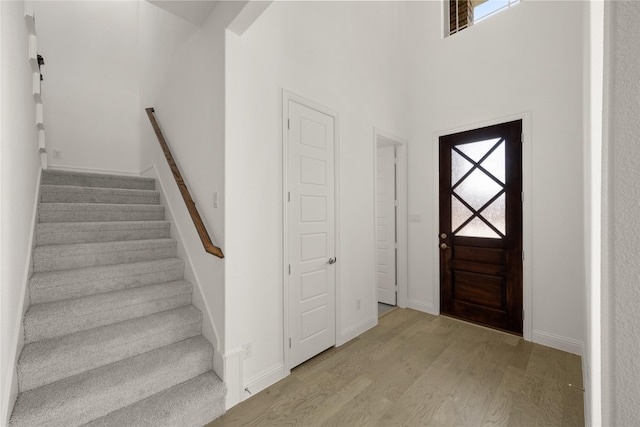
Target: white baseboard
column 92, row 170
column 421, row 306
column 234, row 377
column 17, row 340
column 263, row 380
column 353, row 331
column 569, row 345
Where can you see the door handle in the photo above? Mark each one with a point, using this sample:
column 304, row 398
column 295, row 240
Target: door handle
column 332, row 261
column 444, row 246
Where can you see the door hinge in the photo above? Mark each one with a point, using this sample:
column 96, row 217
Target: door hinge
column 522, row 255
column 395, row 203
column 288, row 196
column 289, row 269
column 395, row 288
column 395, row 160
column 395, row 245
column 522, row 197
column 289, row 342
column 522, row 138
column 288, row 123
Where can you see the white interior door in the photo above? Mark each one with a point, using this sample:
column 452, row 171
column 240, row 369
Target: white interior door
column 311, row 232
column 386, row 225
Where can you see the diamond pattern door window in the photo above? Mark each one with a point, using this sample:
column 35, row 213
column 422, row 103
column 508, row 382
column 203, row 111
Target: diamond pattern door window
column 478, row 172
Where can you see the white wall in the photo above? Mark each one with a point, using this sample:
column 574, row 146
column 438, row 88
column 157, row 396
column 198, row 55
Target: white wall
column 344, row 56
column 182, row 77
column 524, row 60
column 621, row 180
column 91, row 88
column 19, row 166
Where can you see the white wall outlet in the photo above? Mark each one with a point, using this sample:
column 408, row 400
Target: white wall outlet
column 57, row 154
column 246, row 351
column 358, row 303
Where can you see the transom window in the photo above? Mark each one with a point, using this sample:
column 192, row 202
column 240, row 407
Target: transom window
column 465, row 13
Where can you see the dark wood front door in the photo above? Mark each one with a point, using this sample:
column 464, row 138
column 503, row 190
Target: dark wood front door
column 481, row 226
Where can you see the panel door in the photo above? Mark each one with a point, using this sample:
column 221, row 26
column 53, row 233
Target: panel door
column 481, row 226
column 311, row 232
column 386, row 225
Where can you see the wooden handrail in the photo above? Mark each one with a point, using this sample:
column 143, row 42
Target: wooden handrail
column 191, row 206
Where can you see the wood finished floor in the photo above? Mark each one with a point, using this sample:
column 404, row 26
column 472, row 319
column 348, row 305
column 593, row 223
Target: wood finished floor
column 415, row 369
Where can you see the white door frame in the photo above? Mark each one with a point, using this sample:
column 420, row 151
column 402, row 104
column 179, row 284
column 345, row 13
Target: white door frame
column 402, row 215
column 527, row 210
column 286, row 97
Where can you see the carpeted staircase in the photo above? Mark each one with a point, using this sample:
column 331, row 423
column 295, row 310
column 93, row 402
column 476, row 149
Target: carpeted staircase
column 111, row 337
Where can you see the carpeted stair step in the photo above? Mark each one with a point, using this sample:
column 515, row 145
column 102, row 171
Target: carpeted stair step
column 47, row 361
column 81, row 179
column 98, row 212
column 93, row 394
column 191, row 404
column 54, row 319
column 80, row 255
column 73, row 194
column 60, row 233
column 58, row 285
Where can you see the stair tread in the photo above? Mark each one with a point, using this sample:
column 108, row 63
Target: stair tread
column 62, row 206
column 82, row 248
column 193, row 403
column 90, row 395
column 51, row 279
column 90, row 179
column 80, row 351
column 99, row 225
column 104, row 190
column 88, row 305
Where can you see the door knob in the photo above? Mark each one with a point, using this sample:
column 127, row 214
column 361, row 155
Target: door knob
column 443, row 235
column 444, row 246
column 332, row 261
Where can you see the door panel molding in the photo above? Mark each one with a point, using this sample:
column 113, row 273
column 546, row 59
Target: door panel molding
column 527, row 278
column 286, row 98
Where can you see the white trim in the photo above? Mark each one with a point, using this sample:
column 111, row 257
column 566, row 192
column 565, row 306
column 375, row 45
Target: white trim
column 527, row 209
column 445, row 21
column 595, row 325
column 218, row 363
column 150, row 168
column 353, row 331
column 421, row 306
column 93, row 170
column 202, row 302
column 17, row 340
column 234, row 377
column 556, row 341
column 286, row 97
column 263, row 380
column 402, row 267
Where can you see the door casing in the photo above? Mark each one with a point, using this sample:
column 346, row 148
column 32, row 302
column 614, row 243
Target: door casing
column 402, row 270
column 526, row 212
column 286, row 97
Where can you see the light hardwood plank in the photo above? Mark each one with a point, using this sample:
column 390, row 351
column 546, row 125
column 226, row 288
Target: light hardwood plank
column 415, row 369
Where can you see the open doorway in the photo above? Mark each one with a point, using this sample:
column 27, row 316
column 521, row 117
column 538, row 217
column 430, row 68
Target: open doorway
column 390, row 222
